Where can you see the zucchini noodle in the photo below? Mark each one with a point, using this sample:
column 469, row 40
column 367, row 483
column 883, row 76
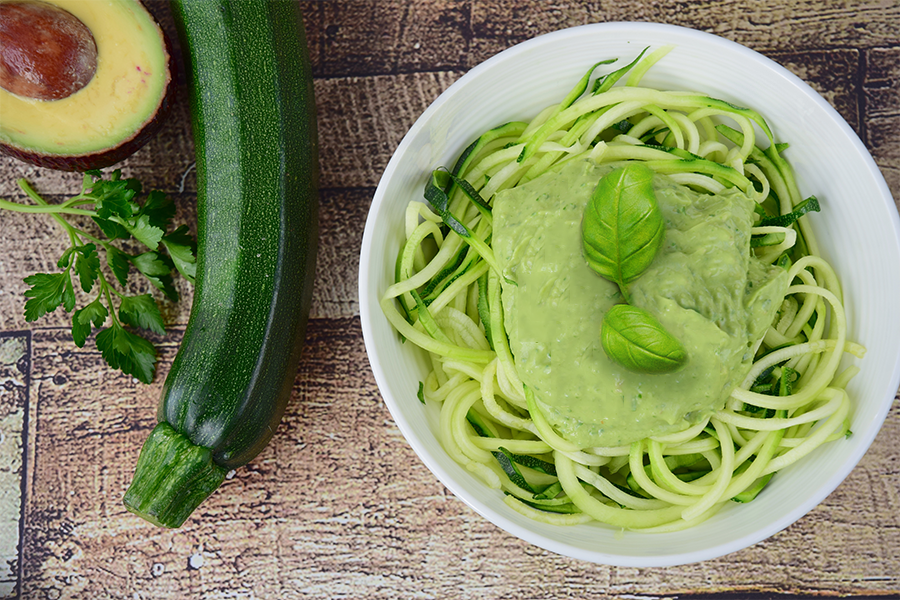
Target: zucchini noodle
column 447, row 300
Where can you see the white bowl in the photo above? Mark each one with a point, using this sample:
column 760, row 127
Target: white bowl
column 858, row 227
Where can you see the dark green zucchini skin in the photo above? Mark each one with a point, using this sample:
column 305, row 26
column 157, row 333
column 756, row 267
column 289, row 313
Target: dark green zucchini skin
column 254, row 126
column 253, row 118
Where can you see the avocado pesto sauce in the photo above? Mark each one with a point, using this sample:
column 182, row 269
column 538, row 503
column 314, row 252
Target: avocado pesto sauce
column 704, row 287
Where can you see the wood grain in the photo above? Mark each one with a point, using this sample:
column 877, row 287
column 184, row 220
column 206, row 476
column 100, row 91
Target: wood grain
column 15, row 351
column 339, row 506
column 781, row 26
column 882, row 102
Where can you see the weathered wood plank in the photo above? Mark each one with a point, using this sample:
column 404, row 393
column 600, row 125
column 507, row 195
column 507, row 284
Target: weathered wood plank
column 359, row 37
column 28, row 244
column 87, row 429
column 783, row 26
column 365, row 38
column 15, row 350
column 882, row 105
column 341, row 222
column 339, row 506
column 362, row 120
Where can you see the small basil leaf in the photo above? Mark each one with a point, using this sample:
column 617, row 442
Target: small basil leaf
column 633, row 338
column 623, row 228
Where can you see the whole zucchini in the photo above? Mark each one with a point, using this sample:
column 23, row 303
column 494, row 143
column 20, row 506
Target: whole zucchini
column 254, row 126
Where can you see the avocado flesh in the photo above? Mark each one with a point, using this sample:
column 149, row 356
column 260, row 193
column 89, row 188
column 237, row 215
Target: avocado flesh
column 115, row 113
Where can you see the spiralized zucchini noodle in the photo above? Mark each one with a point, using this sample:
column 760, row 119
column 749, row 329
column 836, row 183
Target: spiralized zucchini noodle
column 447, row 301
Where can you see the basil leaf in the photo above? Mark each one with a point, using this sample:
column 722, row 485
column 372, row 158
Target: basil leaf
column 633, row 338
column 623, row 228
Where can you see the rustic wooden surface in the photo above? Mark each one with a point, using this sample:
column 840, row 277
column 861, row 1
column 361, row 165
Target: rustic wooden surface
column 338, row 506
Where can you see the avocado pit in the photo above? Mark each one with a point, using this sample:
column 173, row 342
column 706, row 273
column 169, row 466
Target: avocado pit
column 46, row 53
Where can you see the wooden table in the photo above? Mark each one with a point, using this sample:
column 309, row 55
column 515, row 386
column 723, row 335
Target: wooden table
column 338, row 506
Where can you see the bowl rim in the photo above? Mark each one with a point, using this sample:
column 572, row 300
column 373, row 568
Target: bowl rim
column 423, row 451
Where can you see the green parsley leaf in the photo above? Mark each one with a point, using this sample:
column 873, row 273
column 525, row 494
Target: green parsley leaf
column 114, row 198
column 111, row 229
column 142, row 311
column 68, row 297
column 118, row 263
column 183, row 251
column 128, row 352
column 159, row 208
column 151, row 264
column 131, row 183
column 94, row 313
column 87, row 265
column 157, row 268
column 80, row 331
column 143, row 231
column 167, row 285
column 47, row 292
column 66, row 259
column 119, row 214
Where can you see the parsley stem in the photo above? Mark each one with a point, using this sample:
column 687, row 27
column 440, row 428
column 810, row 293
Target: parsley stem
column 88, row 236
column 78, row 200
column 45, row 208
column 43, row 204
column 31, row 193
column 116, row 292
column 106, row 287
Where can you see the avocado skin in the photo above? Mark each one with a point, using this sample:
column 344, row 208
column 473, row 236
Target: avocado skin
column 115, row 154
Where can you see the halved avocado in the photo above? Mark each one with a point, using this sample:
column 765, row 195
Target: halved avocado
column 78, row 117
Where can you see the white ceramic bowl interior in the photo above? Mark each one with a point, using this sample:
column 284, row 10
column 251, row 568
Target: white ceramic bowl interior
column 858, row 229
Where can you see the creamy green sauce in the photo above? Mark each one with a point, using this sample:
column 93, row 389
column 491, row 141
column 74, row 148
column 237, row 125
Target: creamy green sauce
column 703, row 287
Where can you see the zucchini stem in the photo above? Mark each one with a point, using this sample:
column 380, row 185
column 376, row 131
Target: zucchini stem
column 173, row 476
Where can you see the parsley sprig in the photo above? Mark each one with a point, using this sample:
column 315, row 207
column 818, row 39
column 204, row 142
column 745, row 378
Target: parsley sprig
column 114, row 207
